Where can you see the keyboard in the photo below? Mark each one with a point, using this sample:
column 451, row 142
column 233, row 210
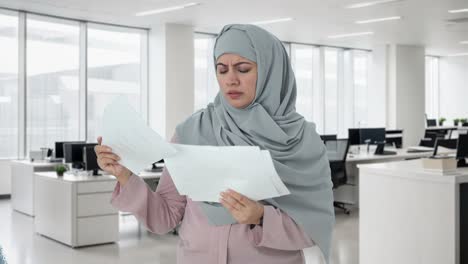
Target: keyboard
column 387, row 152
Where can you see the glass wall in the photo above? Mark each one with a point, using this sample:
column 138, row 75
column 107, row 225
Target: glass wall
column 52, row 102
column 8, row 85
column 206, row 85
column 57, row 75
column 114, row 68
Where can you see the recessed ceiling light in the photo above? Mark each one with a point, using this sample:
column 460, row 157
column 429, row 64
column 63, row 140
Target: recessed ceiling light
column 378, row 20
column 464, row 42
column 458, row 10
column 458, row 54
column 372, row 3
column 272, row 21
column 163, row 10
column 351, row 35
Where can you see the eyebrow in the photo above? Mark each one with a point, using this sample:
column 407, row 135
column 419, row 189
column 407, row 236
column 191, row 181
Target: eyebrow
column 239, row 63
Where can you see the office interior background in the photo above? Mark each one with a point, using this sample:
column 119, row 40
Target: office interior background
column 358, row 64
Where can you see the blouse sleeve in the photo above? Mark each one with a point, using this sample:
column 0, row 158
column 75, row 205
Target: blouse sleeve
column 277, row 224
column 160, row 211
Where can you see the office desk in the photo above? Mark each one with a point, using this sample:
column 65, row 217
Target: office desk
column 411, row 215
column 350, row 193
column 76, row 210
column 22, row 183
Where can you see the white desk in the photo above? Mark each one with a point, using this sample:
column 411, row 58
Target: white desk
column 22, row 183
column 350, row 193
column 409, row 215
column 75, row 210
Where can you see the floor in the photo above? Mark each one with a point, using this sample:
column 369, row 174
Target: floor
column 21, row 245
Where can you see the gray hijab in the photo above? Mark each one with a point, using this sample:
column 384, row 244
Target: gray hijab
column 272, row 123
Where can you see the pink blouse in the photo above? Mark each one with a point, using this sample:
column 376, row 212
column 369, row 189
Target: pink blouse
column 278, row 240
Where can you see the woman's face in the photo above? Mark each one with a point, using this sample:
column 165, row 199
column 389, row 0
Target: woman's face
column 237, row 78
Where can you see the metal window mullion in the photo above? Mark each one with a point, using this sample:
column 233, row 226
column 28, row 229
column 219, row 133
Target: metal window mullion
column 83, row 83
column 144, row 87
column 22, row 75
column 322, row 85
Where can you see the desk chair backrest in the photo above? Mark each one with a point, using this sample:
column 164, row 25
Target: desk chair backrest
column 446, row 143
column 326, row 138
column 430, row 138
column 337, row 151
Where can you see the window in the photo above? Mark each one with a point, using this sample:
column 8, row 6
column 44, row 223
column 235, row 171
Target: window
column 9, row 85
column 114, row 68
column 432, row 87
column 331, row 91
column 52, row 66
column 206, row 85
column 302, row 59
column 332, row 87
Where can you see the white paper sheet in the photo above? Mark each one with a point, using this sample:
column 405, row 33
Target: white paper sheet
column 203, row 172
column 200, row 172
column 130, row 138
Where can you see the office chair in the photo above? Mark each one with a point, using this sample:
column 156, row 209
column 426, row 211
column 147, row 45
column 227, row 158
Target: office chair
column 325, row 138
column 465, row 124
column 430, row 139
column 446, row 143
column 337, row 150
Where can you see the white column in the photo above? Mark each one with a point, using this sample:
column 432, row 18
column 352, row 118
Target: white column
column 406, row 91
column 377, row 87
column 171, row 77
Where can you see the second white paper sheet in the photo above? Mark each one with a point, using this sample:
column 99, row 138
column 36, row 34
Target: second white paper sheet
column 131, row 138
column 203, row 172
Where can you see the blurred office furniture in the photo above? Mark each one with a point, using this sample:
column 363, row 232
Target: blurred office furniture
column 394, row 137
column 325, row 138
column 415, row 215
column 22, row 183
column 446, row 143
column 337, row 151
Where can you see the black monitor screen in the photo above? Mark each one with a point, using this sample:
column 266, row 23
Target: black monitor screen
column 372, row 135
column 462, row 146
column 354, row 137
column 90, row 159
column 73, row 152
column 59, row 153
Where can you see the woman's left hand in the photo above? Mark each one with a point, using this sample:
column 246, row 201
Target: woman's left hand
column 244, row 210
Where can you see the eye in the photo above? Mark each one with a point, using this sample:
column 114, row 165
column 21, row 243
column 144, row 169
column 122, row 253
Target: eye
column 222, row 70
column 243, row 70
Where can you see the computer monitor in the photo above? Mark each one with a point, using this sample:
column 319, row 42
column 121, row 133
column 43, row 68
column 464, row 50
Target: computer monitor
column 354, row 136
column 73, row 153
column 90, row 159
column 446, row 143
column 59, row 147
column 431, row 122
column 462, row 150
column 372, row 135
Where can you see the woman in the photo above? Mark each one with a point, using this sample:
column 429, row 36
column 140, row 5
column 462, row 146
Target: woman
column 255, row 106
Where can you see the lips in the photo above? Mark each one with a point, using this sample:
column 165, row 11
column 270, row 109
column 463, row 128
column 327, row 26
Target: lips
column 233, row 94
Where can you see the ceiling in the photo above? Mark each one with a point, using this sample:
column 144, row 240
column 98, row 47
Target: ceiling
column 424, row 21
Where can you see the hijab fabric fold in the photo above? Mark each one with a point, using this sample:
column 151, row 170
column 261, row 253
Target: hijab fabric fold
column 272, row 123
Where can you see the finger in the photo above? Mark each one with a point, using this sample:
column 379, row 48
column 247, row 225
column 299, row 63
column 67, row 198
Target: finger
column 107, row 161
column 239, row 197
column 99, row 140
column 109, row 155
column 101, row 149
column 231, row 201
column 227, row 205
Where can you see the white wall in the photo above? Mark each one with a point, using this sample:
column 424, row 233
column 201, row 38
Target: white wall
column 453, row 88
column 405, row 81
column 377, row 88
column 171, row 81
column 5, row 177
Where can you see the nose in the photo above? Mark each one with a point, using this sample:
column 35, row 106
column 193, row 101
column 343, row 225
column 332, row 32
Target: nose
column 231, row 78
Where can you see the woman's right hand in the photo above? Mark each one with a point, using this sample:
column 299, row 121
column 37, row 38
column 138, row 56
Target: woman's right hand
column 108, row 162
